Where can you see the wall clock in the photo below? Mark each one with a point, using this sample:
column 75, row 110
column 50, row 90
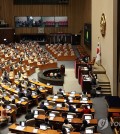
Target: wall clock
column 103, row 25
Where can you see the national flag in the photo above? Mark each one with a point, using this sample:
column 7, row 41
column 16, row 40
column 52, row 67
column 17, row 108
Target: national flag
column 98, row 56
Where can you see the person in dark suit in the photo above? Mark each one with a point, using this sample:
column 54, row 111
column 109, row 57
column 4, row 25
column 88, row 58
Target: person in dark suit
column 60, row 91
column 37, row 90
column 20, row 93
column 29, row 115
column 29, row 94
column 83, row 126
column 47, row 123
column 71, row 108
column 93, row 93
column 42, row 106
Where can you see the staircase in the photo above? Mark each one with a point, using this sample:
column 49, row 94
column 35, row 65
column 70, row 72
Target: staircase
column 103, row 80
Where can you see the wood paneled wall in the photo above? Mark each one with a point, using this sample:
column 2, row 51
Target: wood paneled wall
column 74, row 10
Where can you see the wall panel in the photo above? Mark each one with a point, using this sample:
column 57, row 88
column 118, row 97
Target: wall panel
column 74, row 11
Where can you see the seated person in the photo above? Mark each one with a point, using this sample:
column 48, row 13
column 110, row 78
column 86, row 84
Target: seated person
column 42, row 106
column 83, row 126
column 29, row 94
column 86, row 110
column 71, row 108
column 93, row 93
column 60, row 91
column 29, row 115
column 47, row 123
column 37, row 90
column 4, row 113
column 20, row 93
column 4, row 101
column 67, row 125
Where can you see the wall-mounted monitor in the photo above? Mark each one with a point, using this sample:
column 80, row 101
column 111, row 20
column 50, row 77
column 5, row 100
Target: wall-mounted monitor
column 48, row 21
column 87, row 34
column 41, row 21
column 61, row 21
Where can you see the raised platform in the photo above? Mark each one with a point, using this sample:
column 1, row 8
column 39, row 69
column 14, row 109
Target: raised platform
column 44, row 76
column 103, row 80
column 98, row 69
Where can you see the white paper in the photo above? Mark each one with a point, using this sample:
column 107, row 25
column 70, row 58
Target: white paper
column 19, row 102
column 64, row 100
column 35, row 116
column 53, row 99
column 20, row 128
column 76, row 109
column 51, row 118
column 84, row 101
column 35, row 130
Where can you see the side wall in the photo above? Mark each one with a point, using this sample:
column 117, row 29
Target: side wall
column 109, row 42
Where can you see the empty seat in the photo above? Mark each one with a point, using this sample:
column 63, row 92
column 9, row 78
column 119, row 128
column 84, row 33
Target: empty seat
column 30, row 122
column 41, row 111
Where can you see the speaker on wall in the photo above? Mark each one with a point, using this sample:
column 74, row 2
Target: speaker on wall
column 76, row 39
column 30, row 2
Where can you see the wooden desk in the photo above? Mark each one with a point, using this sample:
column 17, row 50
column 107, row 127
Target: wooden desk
column 61, row 120
column 72, row 102
column 113, row 110
column 76, row 94
column 49, row 88
column 29, row 130
column 65, row 109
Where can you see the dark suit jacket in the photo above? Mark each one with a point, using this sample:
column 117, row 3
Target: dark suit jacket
column 21, row 94
column 29, row 116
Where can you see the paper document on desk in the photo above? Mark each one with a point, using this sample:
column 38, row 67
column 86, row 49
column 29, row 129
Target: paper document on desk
column 19, row 128
column 19, row 102
column 53, row 99
column 51, row 118
column 35, row 116
column 35, row 130
column 76, row 109
column 83, row 101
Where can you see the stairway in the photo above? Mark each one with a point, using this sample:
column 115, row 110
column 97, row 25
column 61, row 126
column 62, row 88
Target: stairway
column 103, row 80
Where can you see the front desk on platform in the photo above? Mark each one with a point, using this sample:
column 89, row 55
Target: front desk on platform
column 45, row 76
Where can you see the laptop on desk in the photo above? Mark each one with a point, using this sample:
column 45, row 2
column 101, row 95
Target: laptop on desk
column 43, row 127
column 89, row 131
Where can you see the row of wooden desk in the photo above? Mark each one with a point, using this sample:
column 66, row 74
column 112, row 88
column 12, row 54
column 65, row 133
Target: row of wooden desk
column 33, row 130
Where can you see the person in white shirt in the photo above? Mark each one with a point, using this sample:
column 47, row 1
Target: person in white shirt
column 67, row 125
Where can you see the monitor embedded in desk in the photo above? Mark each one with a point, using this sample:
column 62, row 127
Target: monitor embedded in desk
column 69, row 116
column 84, row 98
column 8, row 107
column 51, row 114
column 43, row 127
column 88, row 131
column 59, row 105
column 36, row 112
